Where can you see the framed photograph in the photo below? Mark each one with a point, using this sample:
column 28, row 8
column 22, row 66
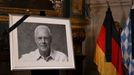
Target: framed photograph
column 41, row 43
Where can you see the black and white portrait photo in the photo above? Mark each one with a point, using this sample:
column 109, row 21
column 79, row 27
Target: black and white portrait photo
column 41, row 43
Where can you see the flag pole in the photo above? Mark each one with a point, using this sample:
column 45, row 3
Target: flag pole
column 107, row 1
column 132, row 6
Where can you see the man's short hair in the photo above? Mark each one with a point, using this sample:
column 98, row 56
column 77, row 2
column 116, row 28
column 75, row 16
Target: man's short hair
column 42, row 27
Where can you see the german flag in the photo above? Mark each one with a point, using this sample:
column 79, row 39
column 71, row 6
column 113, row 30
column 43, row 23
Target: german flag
column 108, row 56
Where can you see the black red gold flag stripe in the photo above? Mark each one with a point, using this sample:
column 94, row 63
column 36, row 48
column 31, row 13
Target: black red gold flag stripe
column 108, row 51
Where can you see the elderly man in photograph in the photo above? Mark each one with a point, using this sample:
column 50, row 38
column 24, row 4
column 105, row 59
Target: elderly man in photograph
column 44, row 52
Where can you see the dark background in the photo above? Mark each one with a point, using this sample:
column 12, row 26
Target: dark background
column 4, row 40
column 26, row 41
column 36, row 4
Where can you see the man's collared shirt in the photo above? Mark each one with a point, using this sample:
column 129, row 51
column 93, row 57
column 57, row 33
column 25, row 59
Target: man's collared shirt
column 35, row 56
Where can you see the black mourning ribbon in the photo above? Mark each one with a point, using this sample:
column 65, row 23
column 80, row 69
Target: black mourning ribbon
column 16, row 24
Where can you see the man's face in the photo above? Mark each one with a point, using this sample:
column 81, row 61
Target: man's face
column 43, row 39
